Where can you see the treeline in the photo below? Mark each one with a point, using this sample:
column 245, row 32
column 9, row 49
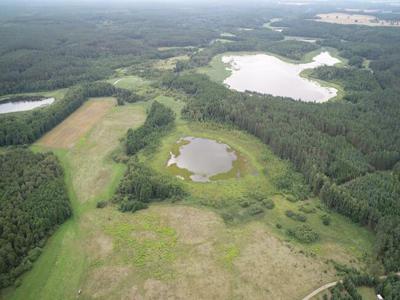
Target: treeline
column 27, row 127
column 347, row 289
column 357, row 43
column 33, row 202
column 141, row 185
column 330, row 144
column 254, row 40
column 159, row 119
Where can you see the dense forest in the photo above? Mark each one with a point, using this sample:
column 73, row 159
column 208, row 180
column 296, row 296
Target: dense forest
column 33, row 202
column 142, row 185
column 51, row 49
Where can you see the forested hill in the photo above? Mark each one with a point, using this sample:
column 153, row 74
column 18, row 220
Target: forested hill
column 33, row 201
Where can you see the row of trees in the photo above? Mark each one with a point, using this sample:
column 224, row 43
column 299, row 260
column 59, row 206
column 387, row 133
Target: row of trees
column 140, row 184
column 27, row 127
column 160, row 118
column 33, row 202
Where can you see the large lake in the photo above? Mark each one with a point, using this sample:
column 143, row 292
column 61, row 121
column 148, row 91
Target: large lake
column 268, row 74
column 9, row 107
column 200, row 159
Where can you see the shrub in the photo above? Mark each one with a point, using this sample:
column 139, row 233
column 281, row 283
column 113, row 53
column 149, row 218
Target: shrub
column 268, row 203
column 291, row 198
column 307, row 209
column 34, row 254
column 326, row 220
column 296, row 216
column 304, row 234
column 101, row 204
column 244, row 203
column 255, row 209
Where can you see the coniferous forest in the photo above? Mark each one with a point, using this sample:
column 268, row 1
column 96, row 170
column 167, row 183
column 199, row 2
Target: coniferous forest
column 33, row 202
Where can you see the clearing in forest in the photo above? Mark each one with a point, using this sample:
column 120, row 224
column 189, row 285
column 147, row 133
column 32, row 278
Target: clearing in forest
column 67, row 133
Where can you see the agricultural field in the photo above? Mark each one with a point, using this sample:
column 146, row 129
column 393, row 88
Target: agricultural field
column 78, row 124
column 354, row 19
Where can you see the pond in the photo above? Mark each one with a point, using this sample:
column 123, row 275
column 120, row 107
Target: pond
column 202, row 160
column 8, row 107
column 268, row 74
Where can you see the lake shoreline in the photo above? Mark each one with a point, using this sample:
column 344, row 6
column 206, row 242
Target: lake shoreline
column 268, row 74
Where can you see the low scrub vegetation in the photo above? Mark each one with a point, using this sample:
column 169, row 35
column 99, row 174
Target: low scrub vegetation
column 304, row 234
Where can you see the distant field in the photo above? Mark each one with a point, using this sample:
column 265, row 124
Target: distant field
column 128, row 82
column 170, row 63
column 66, row 134
column 351, row 19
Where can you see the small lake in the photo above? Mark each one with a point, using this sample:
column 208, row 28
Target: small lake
column 268, row 74
column 199, row 159
column 8, row 107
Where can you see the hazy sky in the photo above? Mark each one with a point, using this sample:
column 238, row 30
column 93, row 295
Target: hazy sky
column 112, row 2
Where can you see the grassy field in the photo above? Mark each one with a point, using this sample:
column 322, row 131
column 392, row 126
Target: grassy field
column 129, row 82
column 182, row 250
column 68, row 132
column 169, row 63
